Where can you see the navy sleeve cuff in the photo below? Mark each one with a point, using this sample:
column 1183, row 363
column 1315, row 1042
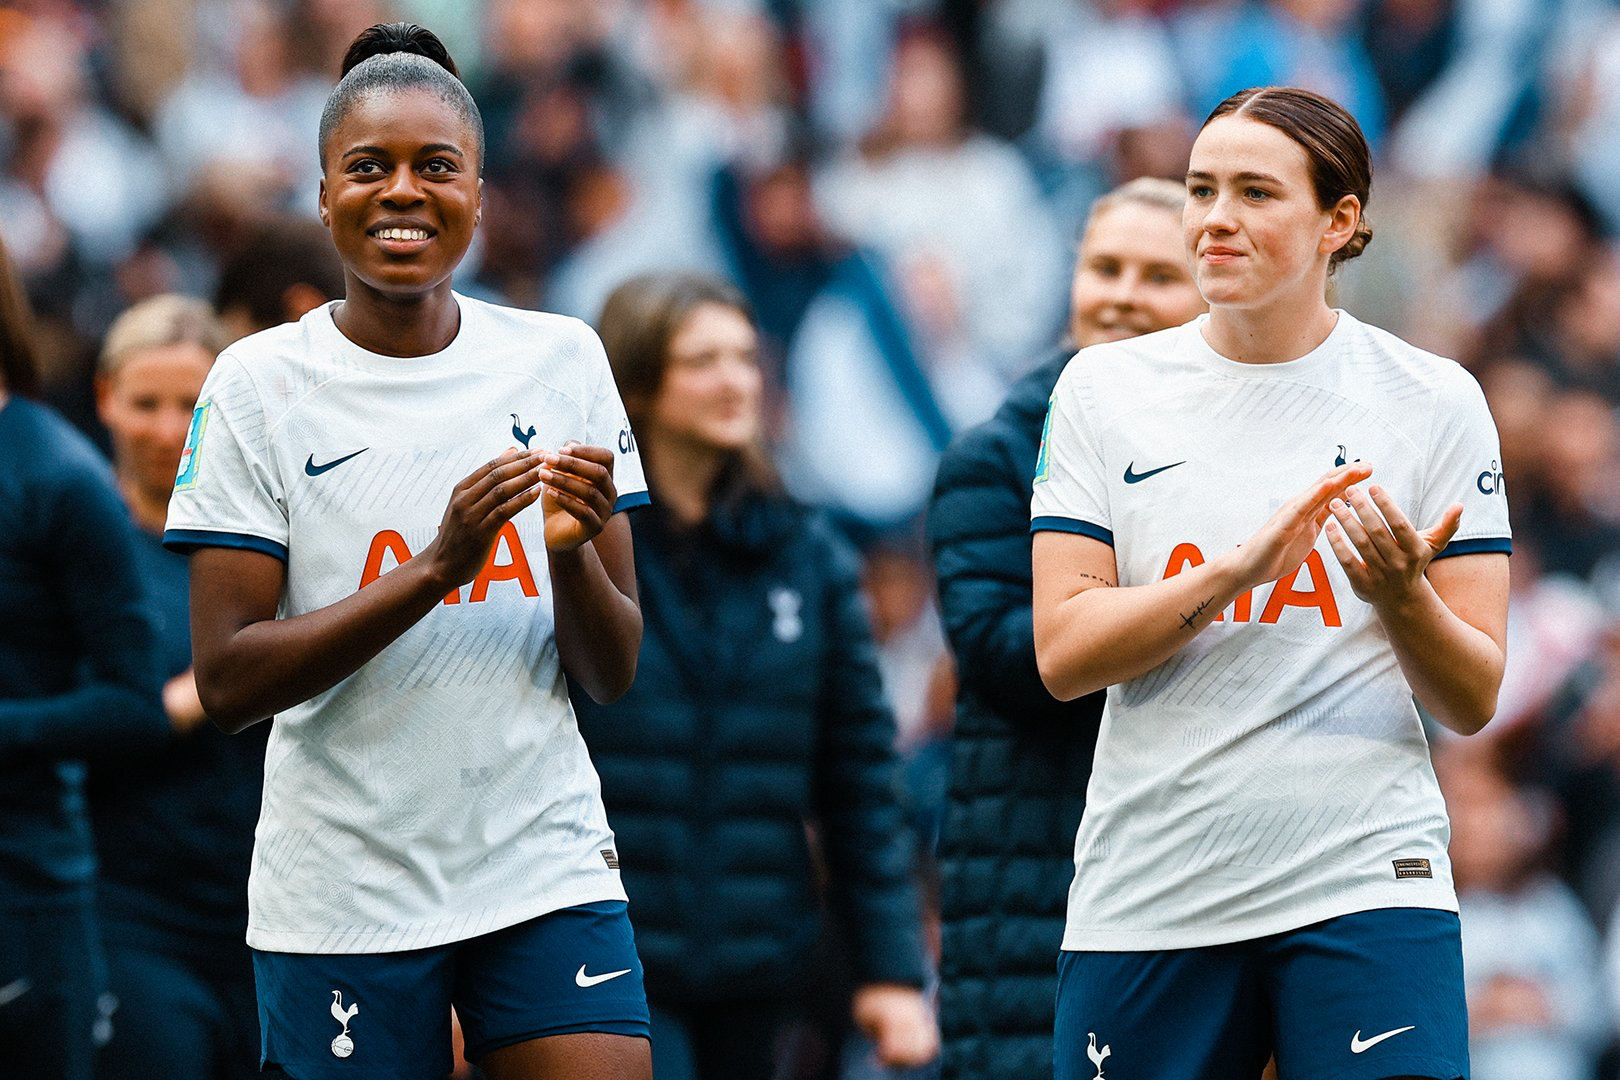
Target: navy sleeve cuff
column 186, row 541
column 631, row 500
column 1071, row 525
column 1484, row 545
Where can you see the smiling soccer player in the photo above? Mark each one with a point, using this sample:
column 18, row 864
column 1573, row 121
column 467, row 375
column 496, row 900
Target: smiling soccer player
column 432, row 830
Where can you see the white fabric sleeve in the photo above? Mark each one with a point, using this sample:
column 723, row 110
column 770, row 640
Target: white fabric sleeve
column 1466, row 467
column 227, row 492
column 1070, row 490
column 609, row 425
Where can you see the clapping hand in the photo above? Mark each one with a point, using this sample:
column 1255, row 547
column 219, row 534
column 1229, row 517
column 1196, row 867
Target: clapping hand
column 1381, row 551
column 579, row 494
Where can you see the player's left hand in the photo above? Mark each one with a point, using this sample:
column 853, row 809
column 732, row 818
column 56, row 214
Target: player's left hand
column 898, row 1020
column 579, row 494
column 1382, row 553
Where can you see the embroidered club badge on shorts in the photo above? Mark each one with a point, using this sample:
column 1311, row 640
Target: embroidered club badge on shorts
column 342, row 1046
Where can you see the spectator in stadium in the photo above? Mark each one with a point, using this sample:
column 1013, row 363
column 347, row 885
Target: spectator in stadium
column 77, row 675
column 1019, row 755
column 958, row 217
column 174, row 821
column 756, row 721
column 81, row 184
column 432, row 834
column 285, row 268
column 1536, row 1000
column 255, row 118
column 1262, row 857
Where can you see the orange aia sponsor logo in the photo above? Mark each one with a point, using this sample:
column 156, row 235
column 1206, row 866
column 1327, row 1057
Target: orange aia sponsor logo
column 1287, row 591
column 507, row 562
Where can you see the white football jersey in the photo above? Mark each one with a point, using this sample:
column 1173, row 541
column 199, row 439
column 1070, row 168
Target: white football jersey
column 443, row 790
column 1272, row 773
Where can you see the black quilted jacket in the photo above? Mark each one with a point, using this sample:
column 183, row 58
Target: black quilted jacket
column 1020, row 760
column 756, row 711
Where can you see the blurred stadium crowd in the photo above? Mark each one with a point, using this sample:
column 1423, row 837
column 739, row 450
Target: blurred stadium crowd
column 896, row 185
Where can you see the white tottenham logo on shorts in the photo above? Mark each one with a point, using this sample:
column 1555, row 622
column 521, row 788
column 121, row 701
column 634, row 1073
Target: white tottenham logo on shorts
column 1358, row 1045
column 591, row 980
column 343, row 1046
column 1097, row 1056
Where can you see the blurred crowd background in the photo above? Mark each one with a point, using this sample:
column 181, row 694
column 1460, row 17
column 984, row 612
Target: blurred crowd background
column 897, row 185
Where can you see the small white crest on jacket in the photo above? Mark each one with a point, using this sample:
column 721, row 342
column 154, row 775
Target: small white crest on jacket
column 785, row 604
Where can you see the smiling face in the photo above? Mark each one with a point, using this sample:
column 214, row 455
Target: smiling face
column 146, row 405
column 1253, row 227
column 400, row 192
column 1132, row 276
column 709, row 396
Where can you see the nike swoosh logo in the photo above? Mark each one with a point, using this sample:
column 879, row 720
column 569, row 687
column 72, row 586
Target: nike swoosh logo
column 14, row 990
column 1138, row 477
column 583, row 979
column 1357, row 1046
column 313, row 469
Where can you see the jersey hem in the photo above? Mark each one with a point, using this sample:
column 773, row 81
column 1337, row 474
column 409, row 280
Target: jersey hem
column 1486, row 544
column 186, row 541
column 1050, row 523
column 1078, row 939
column 410, row 938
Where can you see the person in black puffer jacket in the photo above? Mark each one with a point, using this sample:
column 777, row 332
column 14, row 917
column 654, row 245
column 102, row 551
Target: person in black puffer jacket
column 1020, row 759
column 755, row 745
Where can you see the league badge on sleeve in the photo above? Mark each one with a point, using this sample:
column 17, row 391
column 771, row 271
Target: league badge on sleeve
column 1043, row 462
column 186, row 478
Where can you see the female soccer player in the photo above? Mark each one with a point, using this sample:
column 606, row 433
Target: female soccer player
column 1262, row 863
column 1016, row 754
column 77, row 677
column 757, row 708
column 432, row 831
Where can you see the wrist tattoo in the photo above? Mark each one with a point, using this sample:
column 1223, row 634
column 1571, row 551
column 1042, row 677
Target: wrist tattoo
column 1188, row 621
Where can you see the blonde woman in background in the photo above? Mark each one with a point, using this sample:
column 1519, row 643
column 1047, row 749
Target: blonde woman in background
column 1018, row 755
column 174, row 819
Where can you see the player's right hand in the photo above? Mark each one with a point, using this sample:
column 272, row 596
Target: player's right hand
column 487, row 498
column 1282, row 543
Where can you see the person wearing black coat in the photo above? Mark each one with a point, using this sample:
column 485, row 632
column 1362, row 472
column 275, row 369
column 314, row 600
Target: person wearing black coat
column 754, row 753
column 1020, row 759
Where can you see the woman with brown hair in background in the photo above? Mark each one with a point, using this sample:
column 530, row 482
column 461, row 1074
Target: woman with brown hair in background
column 755, row 744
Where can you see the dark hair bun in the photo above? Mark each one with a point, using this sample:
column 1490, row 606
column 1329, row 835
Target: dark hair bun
column 1354, row 246
column 397, row 37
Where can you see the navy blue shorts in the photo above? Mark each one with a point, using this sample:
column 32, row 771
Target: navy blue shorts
column 371, row 1016
column 1365, row 996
